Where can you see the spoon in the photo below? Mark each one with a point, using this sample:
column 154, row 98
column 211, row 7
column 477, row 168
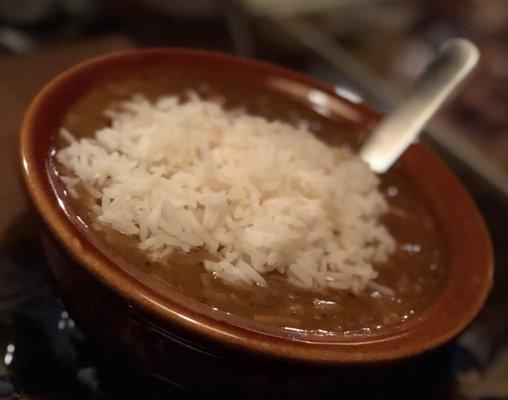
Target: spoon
column 395, row 133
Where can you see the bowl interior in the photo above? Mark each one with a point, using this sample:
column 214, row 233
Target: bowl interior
column 274, row 93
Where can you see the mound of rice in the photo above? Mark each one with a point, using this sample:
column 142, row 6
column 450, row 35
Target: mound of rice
column 262, row 196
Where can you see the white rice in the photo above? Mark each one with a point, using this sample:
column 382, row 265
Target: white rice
column 262, row 196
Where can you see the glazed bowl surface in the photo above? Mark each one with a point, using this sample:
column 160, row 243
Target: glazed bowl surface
column 129, row 309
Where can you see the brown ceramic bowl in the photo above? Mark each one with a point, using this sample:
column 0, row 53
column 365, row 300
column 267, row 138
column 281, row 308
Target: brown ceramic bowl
column 153, row 324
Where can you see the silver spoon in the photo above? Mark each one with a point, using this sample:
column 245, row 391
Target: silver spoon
column 400, row 128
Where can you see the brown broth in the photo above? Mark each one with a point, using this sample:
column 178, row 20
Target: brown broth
column 414, row 272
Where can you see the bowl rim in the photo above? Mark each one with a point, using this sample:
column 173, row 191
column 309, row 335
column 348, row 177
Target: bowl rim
column 399, row 344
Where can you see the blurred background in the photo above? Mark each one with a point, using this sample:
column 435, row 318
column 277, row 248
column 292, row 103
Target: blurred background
column 369, row 50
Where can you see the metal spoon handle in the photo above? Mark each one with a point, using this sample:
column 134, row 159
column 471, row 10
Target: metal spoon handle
column 396, row 132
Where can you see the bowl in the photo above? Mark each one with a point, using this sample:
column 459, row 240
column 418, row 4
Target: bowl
column 160, row 330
